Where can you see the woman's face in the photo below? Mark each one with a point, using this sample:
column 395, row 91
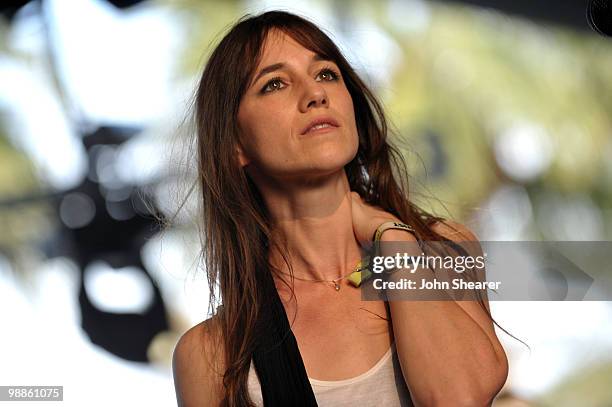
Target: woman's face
column 293, row 88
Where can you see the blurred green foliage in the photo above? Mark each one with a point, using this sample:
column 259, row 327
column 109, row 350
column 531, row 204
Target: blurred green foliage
column 469, row 75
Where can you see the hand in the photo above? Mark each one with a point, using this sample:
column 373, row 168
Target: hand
column 367, row 218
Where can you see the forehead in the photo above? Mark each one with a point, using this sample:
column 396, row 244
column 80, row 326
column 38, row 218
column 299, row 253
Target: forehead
column 279, row 47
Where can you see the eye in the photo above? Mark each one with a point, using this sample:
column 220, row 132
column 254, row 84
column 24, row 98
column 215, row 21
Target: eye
column 272, row 85
column 329, row 74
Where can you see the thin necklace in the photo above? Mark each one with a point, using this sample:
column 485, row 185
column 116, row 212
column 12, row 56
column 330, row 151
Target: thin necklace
column 360, row 266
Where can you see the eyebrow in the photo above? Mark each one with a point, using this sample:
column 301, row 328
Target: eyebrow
column 279, row 65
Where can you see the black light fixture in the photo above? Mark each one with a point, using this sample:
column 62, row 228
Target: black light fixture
column 10, row 7
column 109, row 221
column 123, row 4
column 599, row 16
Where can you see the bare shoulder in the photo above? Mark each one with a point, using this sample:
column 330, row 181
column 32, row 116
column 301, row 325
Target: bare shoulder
column 454, row 231
column 197, row 366
column 461, row 235
column 468, row 240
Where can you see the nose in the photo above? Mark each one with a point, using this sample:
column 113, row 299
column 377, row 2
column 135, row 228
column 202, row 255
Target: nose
column 314, row 96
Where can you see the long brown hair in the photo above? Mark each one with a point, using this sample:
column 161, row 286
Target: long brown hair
column 236, row 225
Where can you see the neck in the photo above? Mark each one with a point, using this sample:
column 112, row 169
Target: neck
column 313, row 221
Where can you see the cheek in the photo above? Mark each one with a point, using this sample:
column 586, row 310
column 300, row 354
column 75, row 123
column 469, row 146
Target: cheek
column 262, row 130
column 348, row 112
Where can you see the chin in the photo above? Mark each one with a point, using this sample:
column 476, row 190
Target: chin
column 335, row 158
column 325, row 162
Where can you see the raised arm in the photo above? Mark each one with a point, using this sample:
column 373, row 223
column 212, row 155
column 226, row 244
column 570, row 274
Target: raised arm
column 448, row 350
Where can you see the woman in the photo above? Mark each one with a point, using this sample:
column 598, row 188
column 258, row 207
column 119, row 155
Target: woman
column 296, row 174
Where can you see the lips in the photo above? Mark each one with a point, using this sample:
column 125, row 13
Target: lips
column 326, row 122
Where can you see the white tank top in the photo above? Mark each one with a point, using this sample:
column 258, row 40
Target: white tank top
column 382, row 385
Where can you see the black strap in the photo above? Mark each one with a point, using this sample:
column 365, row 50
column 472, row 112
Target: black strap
column 277, row 358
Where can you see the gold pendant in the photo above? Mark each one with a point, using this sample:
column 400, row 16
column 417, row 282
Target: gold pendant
column 336, row 286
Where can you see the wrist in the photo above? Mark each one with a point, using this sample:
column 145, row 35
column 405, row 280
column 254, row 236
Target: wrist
column 395, row 235
column 377, row 223
column 389, row 225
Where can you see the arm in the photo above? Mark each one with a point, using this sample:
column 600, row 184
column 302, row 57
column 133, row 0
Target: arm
column 196, row 370
column 448, row 350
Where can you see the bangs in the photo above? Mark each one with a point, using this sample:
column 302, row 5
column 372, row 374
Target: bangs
column 304, row 33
